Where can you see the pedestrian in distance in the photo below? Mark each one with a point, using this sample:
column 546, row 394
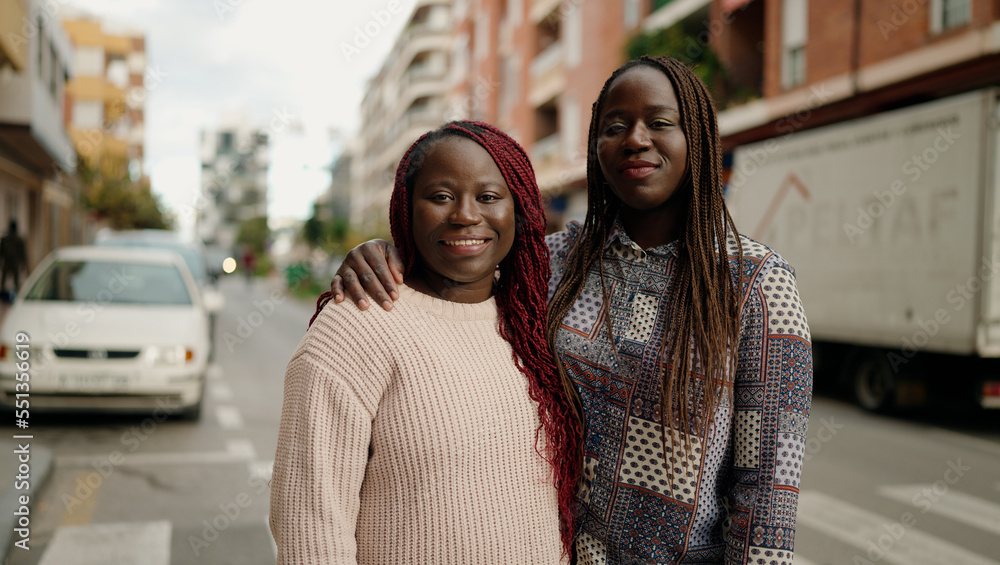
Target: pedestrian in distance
column 682, row 343
column 439, row 432
column 14, row 258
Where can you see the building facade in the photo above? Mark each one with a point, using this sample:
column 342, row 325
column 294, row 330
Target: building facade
column 234, row 166
column 36, row 155
column 105, row 100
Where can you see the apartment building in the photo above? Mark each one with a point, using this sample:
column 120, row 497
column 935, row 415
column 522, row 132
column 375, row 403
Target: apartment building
column 36, row 155
column 105, row 101
column 406, row 98
column 234, row 165
column 827, row 61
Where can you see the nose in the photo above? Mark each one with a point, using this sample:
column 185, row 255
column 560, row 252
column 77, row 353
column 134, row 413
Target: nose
column 637, row 139
column 465, row 212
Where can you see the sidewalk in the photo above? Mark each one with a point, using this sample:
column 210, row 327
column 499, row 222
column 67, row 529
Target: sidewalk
column 40, row 461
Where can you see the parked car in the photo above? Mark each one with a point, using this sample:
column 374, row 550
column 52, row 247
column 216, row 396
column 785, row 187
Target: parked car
column 192, row 251
column 108, row 329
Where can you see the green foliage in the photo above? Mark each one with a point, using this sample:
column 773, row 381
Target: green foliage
column 123, row 203
column 686, row 44
column 254, row 233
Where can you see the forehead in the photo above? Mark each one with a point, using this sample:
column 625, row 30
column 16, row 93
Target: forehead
column 641, row 86
column 456, row 150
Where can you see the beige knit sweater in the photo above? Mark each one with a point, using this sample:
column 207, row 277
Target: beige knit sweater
column 408, row 437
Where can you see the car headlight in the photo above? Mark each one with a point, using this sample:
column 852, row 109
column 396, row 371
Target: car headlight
column 168, row 355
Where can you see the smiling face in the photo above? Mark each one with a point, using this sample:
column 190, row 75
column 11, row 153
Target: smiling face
column 641, row 148
column 463, row 220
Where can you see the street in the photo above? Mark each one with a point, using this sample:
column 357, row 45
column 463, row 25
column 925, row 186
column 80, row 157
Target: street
column 905, row 490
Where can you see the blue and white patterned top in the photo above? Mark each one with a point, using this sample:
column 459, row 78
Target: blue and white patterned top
column 733, row 499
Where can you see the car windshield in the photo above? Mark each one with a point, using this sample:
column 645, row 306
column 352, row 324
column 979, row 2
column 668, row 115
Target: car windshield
column 110, row 282
column 195, row 262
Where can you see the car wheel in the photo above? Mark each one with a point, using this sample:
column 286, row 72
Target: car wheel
column 874, row 382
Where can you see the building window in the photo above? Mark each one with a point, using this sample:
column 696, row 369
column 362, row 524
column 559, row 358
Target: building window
column 54, row 72
column 631, row 13
column 41, row 48
column 88, row 114
column 574, row 37
column 794, row 31
column 949, row 14
column 88, row 61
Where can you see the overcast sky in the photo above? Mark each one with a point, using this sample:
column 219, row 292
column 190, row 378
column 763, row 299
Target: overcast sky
column 266, row 58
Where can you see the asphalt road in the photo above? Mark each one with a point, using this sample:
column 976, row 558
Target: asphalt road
column 917, row 490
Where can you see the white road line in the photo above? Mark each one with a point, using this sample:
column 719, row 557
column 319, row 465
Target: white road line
column 799, row 560
column 956, row 505
column 220, row 391
column 144, row 543
column 214, row 372
column 261, row 469
column 229, row 417
column 876, row 536
column 237, row 451
column 968, row 441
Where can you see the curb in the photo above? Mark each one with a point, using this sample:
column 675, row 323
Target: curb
column 41, row 462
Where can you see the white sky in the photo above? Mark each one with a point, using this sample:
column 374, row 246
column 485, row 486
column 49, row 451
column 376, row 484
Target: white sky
column 261, row 57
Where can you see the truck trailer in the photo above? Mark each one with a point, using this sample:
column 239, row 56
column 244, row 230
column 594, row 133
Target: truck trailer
column 892, row 224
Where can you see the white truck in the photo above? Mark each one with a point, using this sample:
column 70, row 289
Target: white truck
column 892, row 224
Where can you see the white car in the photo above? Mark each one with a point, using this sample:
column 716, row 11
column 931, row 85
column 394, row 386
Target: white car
column 107, row 329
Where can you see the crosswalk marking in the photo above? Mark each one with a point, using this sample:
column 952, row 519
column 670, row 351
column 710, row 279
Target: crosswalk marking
column 876, row 536
column 799, row 560
column 956, row 505
column 954, row 438
column 221, row 391
column 237, row 451
column 146, row 543
column 229, row 417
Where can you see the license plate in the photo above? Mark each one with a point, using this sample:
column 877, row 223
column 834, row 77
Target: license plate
column 91, row 382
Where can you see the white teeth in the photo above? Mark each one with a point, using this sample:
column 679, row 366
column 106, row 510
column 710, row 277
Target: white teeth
column 465, row 242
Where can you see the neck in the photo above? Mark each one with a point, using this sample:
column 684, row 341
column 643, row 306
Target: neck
column 652, row 228
column 448, row 289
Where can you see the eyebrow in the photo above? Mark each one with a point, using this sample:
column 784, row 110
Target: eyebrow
column 651, row 108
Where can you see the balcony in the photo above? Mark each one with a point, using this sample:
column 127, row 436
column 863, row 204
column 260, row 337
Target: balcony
column 548, row 77
column 541, row 9
column 668, row 13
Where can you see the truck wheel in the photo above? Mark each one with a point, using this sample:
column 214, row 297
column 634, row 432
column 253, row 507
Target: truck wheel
column 874, row 382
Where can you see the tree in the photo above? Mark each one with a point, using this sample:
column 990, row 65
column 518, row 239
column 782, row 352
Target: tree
column 125, row 204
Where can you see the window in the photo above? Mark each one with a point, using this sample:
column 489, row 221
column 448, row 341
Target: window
column 88, row 61
column 574, row 37
column 794, row 31
column 41, row 47
column 88, row 114
column 949, row 14
column 118, row 73
column 631, row 13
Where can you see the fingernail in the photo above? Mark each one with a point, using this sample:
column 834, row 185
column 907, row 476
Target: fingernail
column 394, row 295
column 387, row 305
column 362, row 304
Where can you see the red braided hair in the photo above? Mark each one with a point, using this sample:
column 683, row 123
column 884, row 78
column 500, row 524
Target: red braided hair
column 520, row 294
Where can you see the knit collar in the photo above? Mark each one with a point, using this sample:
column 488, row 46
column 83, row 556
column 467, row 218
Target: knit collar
column 458, row 311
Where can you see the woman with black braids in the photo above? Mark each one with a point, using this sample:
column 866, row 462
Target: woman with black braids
column 439, row 432
column 682, row 343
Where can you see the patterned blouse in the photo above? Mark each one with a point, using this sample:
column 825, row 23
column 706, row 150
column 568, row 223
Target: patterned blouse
column 732, row 495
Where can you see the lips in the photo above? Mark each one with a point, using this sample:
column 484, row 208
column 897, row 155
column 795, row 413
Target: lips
column 637, row 169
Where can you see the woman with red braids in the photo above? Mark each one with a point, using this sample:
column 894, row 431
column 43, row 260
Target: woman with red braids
column 439, row 432
column 682, row 343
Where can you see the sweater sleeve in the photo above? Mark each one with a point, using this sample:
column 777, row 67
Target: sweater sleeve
column 772, row 397
column 323, row 443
